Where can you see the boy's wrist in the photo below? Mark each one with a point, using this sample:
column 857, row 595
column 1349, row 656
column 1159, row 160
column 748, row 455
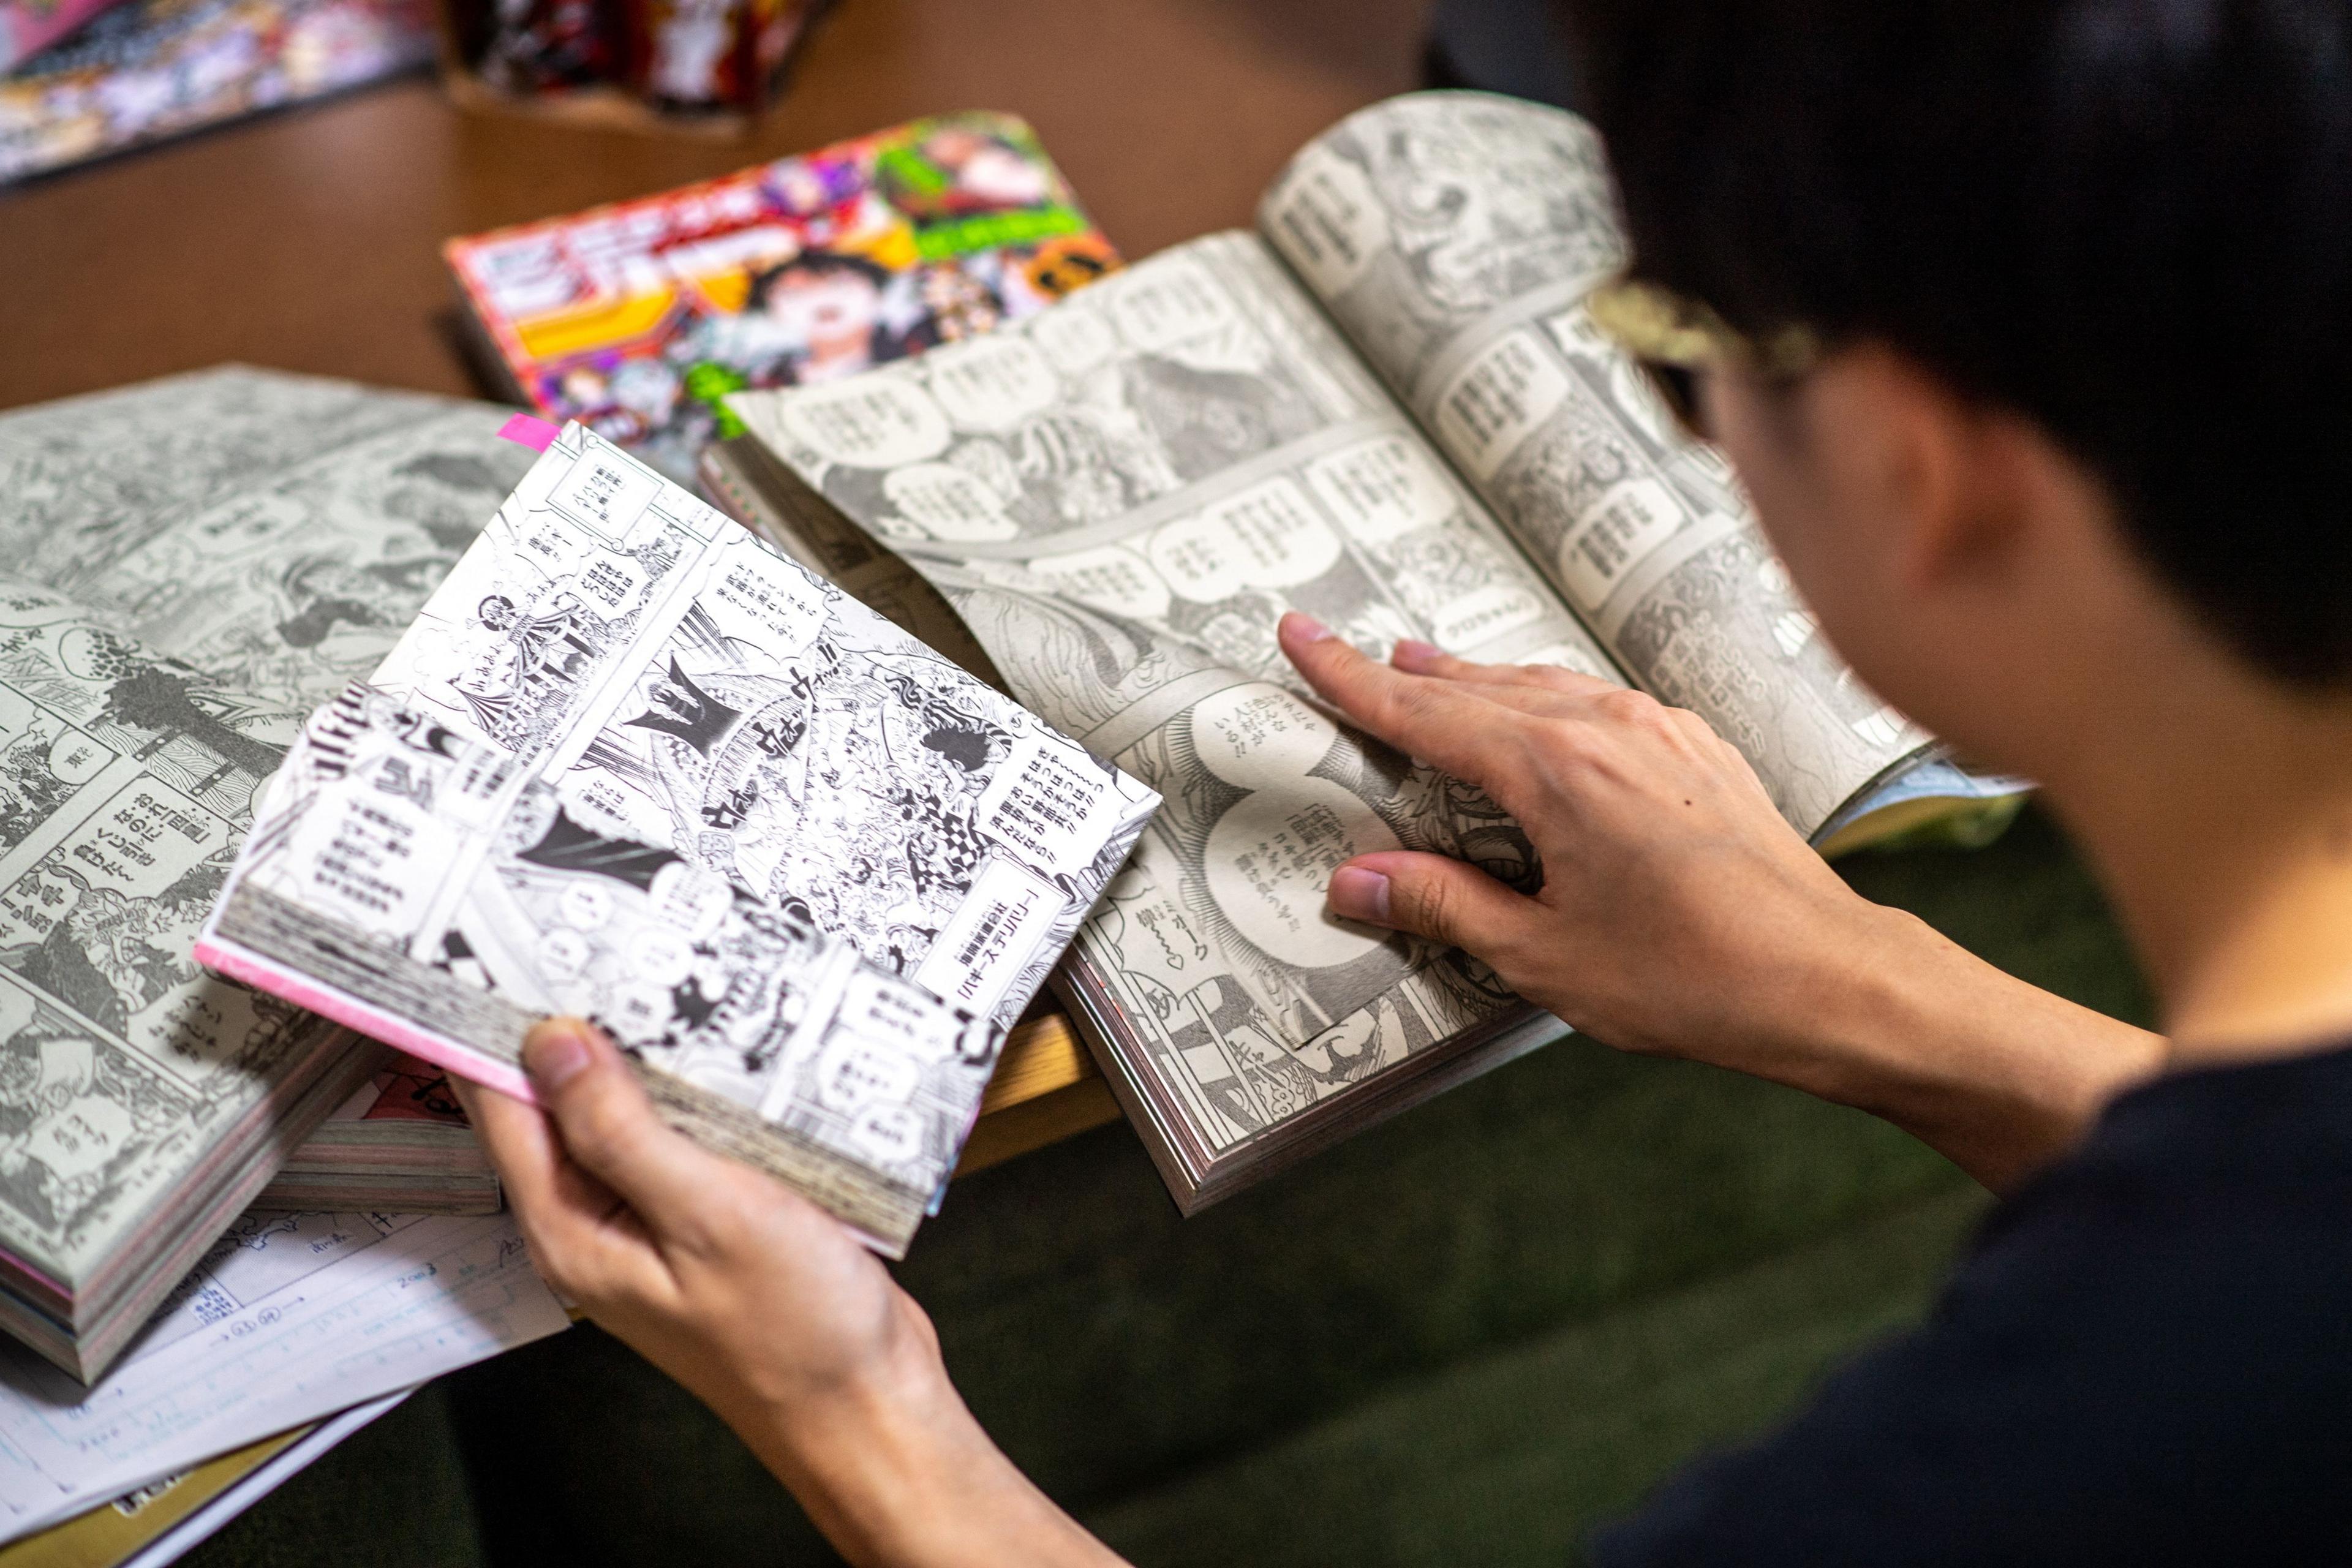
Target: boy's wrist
column 1998, row 1074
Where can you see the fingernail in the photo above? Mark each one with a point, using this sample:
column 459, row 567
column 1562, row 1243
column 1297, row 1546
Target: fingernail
column 555, row 1051
column 1356, row 894
column 1410, row 651
column 1306, row 627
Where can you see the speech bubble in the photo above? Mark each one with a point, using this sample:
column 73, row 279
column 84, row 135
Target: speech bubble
column 1268, row 536
column 948, row 503
column 611, row 585
column 585, row 906
column 1271, row 856
column 688, row 899
column 1615, row 534
column 760, row 600
column 888, row 1134
column 1259, row 736
column 853, row 1072
column 1073, row 338
column 1383, row 488
column 561, row 954
column 1111, row 578
column 1166, row 301
column 991, row 383
column 76, row 759
column 872, row 422
column 143, row 840
column 1498, row 399
column 1327, row 220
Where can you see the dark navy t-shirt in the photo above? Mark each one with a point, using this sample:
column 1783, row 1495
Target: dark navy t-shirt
column 2145, row 1358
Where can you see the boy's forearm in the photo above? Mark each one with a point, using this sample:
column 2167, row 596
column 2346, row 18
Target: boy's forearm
column 1998, row 1075
column 897, row 1472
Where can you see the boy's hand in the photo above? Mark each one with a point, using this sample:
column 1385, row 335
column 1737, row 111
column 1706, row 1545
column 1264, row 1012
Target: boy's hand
column 1680, row 915
column 762, row 1305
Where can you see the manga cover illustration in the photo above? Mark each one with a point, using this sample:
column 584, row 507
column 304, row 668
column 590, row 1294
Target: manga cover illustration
column 146, row 69
column 639, row 320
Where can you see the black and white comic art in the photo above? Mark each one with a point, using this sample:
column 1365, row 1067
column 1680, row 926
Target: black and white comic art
column 1121, row 500
column 687, row 684
column 236, row 545
column 1388, row 408
column 126, row 782
column 449, row 888
column 1454, row 236
column 275, row 532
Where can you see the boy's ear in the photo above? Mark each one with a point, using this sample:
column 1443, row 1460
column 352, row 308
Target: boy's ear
column 1947, row 475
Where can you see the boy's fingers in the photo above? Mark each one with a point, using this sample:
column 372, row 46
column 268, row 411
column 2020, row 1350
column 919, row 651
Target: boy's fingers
column 564, row 1212
column 1417, row 657
column 1443, row 723
column 610, row 1128
column 1431, row 896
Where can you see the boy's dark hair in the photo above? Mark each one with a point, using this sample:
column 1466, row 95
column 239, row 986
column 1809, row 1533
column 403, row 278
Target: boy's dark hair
column 2128, row 220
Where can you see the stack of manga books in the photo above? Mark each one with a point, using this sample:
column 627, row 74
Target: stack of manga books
column 639, row 318
column 401, row 1144
column 838, row 865
column 196, row 564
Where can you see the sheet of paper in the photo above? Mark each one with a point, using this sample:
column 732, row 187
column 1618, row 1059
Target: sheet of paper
column 291, row 1316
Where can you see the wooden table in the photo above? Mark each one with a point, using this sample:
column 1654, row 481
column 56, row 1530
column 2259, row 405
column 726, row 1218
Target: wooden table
column 310, row 241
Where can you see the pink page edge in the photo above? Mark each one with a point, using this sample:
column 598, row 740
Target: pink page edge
column 439, row 1049
column 525, row 431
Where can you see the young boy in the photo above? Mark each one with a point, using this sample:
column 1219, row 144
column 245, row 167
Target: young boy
column 2023, row 324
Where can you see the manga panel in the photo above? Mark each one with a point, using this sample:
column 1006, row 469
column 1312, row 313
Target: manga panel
column 687, row 685
column 1421, row 221
column 440, row 881
column 126, row 781
column 278, row 532
column 89, row 479
column 1452, row 235
column 1121, row 497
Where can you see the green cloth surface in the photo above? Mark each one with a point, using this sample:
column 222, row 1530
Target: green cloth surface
column 1464, row 1336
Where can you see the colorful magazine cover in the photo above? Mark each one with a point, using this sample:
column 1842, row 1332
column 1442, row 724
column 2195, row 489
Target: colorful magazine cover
column 638, row 319
column 152, row 68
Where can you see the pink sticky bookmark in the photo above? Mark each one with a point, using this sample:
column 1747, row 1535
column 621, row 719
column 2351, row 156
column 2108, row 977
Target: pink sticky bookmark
column 524, row 431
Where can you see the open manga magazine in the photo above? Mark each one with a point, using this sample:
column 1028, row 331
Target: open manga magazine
column 633, row 763
column 193, row 564
column 1388, row 408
